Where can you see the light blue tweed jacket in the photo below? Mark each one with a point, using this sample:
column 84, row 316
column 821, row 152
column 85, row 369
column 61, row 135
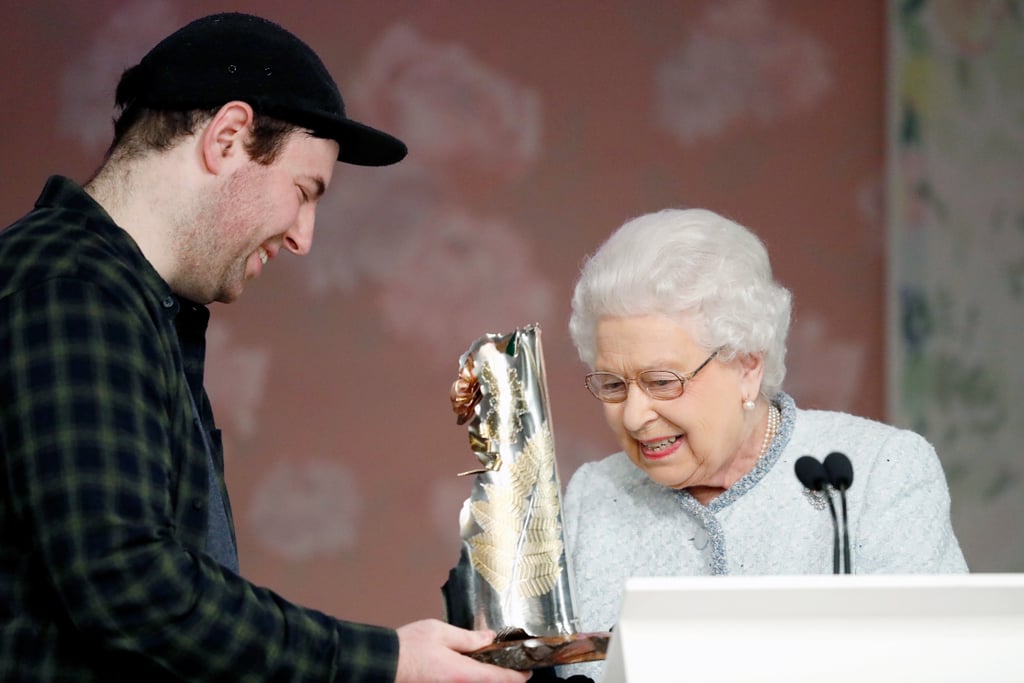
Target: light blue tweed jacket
column 620, row 524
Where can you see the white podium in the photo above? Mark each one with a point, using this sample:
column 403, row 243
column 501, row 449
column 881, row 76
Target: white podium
column 821, row 628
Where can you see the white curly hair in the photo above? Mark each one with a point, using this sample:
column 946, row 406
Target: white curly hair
column 696, row 267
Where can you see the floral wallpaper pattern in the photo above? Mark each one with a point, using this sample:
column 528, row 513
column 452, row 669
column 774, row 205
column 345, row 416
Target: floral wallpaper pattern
column 956, row 290
column 740, row 65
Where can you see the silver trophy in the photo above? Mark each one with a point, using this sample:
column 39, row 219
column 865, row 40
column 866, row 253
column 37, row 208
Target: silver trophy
column 513, row 575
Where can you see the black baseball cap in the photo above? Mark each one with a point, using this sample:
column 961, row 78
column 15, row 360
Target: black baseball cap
column 234, row 56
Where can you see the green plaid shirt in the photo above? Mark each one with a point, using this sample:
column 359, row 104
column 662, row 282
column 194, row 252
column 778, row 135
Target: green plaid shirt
column 103, row 483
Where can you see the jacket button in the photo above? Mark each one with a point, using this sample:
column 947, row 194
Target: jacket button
column 197, row 504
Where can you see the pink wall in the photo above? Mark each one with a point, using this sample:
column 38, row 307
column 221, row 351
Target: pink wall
column 535, row 128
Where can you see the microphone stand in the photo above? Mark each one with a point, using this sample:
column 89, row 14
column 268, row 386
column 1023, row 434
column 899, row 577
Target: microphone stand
column 812, row 474
column 835, row 530
column 839, row 470
column 846, row 533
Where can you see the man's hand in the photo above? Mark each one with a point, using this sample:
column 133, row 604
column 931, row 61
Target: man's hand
column 429, row 652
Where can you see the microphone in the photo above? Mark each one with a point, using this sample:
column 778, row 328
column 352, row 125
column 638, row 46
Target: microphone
column 840, row 474
column 812, row 475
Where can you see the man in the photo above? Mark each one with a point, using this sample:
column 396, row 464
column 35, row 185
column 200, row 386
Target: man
column 117, row 550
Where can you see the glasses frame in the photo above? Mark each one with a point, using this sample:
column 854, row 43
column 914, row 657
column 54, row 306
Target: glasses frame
column 684, row 379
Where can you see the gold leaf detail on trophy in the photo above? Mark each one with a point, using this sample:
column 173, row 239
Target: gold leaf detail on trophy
column 520, row 543
column 501, row 424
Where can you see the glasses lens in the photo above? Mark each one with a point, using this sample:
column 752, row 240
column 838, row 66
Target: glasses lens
column 606, row 386
column 660, row 384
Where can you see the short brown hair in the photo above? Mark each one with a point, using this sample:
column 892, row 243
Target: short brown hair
column 140, row 130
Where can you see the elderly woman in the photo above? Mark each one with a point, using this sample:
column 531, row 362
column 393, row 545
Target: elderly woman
column 685, row 330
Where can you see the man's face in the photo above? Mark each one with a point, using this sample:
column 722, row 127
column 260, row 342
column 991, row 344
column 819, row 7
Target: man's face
column 258, row 211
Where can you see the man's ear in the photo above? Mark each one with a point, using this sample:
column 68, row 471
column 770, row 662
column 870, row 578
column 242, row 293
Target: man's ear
column 223, row 140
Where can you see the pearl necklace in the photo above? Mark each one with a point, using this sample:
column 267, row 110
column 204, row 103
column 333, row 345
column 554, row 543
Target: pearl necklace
column 774, row 418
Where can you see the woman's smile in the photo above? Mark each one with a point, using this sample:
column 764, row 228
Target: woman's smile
column 659, row 449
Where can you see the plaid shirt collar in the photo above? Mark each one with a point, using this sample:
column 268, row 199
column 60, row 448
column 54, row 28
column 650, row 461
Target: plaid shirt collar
column 66, row 194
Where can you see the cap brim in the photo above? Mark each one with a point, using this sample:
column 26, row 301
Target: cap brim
column 362, row 145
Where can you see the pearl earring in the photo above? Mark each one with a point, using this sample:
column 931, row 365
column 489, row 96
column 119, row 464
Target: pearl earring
column 748, row 405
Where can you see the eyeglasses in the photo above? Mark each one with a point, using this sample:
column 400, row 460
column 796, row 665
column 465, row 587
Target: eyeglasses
column 663, row 385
